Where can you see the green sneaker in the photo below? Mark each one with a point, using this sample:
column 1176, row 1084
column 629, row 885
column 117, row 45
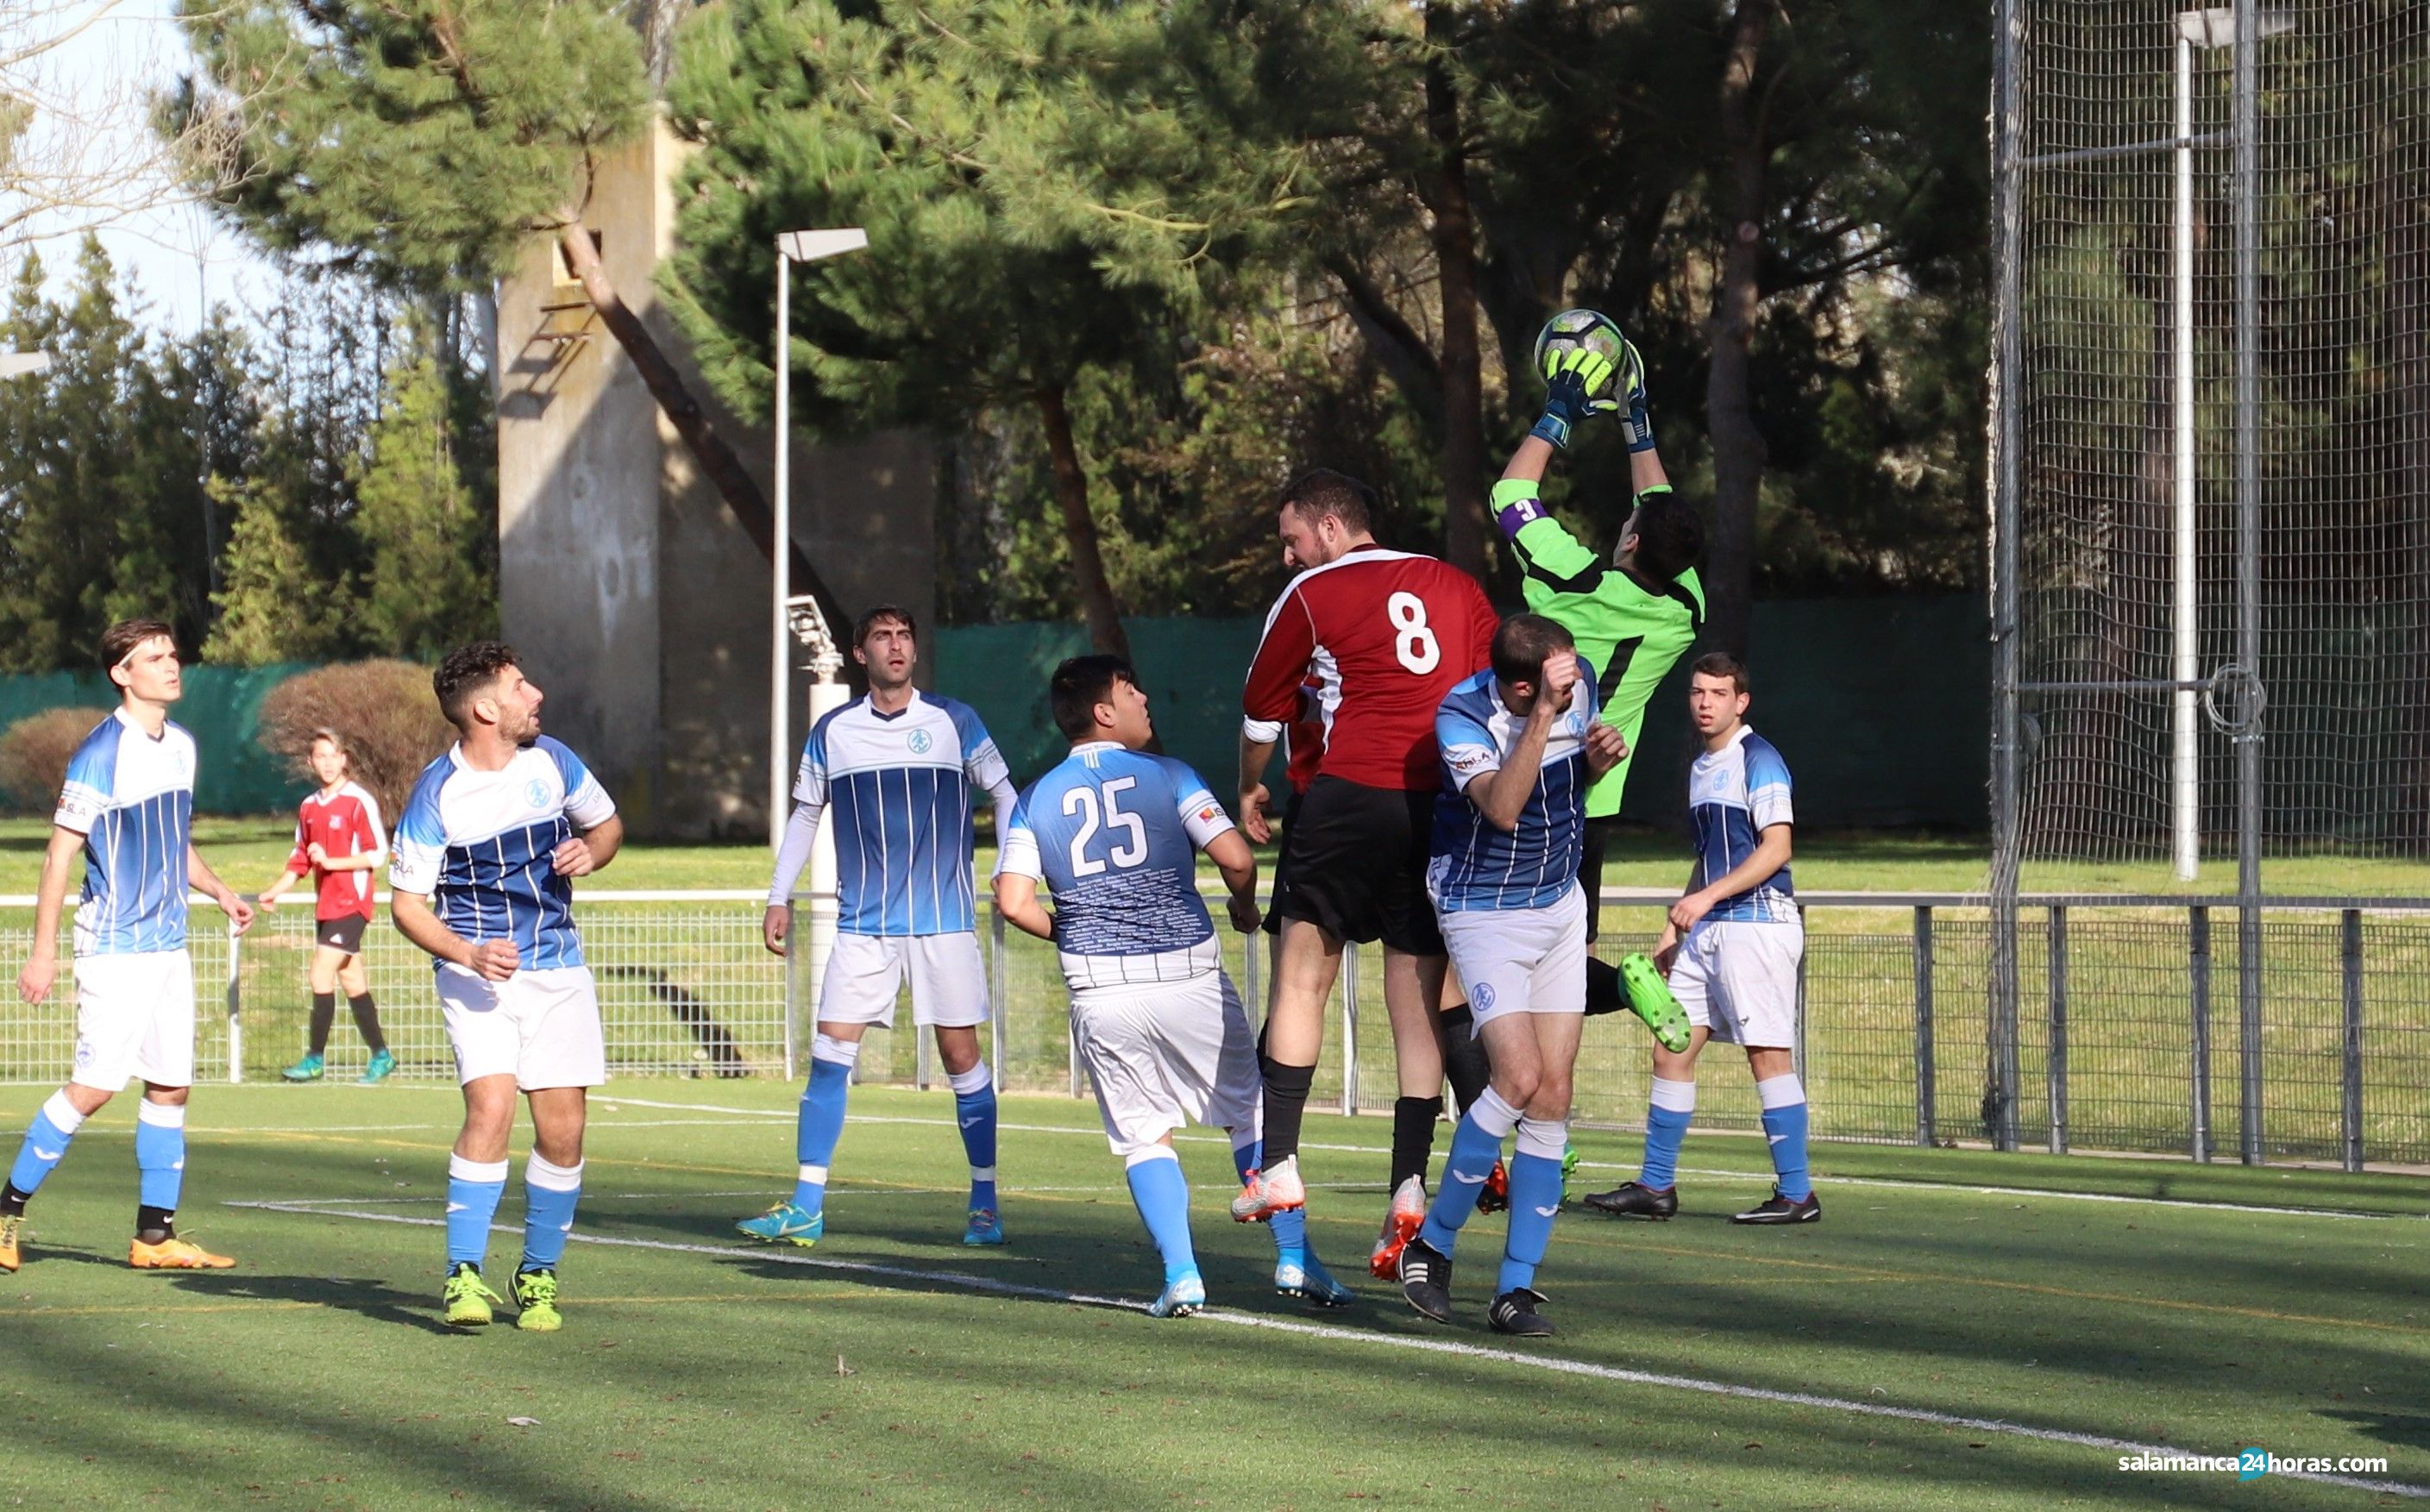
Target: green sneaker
column 306, row 1069
column 1650, row 999
column 786, row 1223
column 1568, row 1168
column 377, row 1073
column 536, row 1301
column 468, row 1297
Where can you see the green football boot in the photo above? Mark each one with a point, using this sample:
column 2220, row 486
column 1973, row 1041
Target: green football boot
column 1568, row 1168
column 468, row 1297
column 536, row 1301
column 306, row 1069
column 1650, row 999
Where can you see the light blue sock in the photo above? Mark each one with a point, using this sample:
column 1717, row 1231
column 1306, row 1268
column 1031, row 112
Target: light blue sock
column 1784, row 1126
column 1290, row 1226
column 474, row 1188
column 1163, row 1199
column 1535, row 1201
column 46, row 1142
column 974, row 1110
column 1475, row 1146
column 821, row 1125
column 1667, row 1116
column 550, row 1194
column 159, row 1153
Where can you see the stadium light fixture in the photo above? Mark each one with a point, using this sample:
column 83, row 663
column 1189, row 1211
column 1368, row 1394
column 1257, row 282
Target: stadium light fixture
column 20, row 364
column 2212, row 26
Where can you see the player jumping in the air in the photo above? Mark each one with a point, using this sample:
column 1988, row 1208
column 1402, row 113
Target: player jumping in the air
column 898, row 767
column 487, row 850
column 1519, row 744
column 129, row 804
column 1731, row 947
column 1388, row 634
column 1114, row 832
column 339, row 841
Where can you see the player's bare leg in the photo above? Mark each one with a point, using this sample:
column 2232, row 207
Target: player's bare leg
column 1303, row 977
column 957, row 1050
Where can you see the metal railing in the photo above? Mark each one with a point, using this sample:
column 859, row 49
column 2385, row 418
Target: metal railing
column 2113, row 1046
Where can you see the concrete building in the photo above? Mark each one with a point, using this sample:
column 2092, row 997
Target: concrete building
column 640, row 607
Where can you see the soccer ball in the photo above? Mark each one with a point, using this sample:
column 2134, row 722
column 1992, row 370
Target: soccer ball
column 1597, row 332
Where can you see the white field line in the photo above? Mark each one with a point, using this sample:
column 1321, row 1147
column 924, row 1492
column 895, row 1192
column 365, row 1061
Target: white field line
column 1748, row 1176
column 848, row 1189
column 1350, row 1336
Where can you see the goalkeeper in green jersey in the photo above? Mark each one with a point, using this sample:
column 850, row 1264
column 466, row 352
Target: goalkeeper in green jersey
column 1632, row 615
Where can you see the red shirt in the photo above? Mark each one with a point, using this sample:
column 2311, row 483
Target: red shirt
column 1383, row 635
column 346, row 822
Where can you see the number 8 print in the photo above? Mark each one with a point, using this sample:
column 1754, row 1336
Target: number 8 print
column 1414, row 644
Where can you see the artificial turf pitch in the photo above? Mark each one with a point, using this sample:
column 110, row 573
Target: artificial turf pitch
column 1930, row 1343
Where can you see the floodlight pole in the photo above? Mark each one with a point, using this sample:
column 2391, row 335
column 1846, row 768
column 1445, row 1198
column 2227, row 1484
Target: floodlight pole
column 792, row 247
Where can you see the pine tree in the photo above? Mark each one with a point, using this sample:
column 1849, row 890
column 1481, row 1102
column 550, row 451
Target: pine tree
column 273, row 607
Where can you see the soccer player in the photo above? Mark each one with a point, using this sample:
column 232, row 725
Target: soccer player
column 486, row 851
column 1388, row 634
column 898, row 766
column 339, row 844
column 129, row 804
column 1114, row 832
column 1519, row 744
column 1731, row 946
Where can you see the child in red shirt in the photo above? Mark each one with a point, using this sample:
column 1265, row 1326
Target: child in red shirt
column 339, row 843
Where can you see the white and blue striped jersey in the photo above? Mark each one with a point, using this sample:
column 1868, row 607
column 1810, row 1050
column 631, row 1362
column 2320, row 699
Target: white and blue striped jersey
column 1476, row 864
column 131, row 796
column 477, row 844
column 899, row 786
column 1115, row 836
column 1734, row 794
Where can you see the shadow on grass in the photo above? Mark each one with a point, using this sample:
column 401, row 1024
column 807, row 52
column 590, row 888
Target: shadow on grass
column 2408, row 1429
column 374, row 1300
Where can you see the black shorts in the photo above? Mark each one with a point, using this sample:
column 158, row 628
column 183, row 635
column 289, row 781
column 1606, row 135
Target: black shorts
column 345, row 933
column 1354, row 866
column 1274, row 923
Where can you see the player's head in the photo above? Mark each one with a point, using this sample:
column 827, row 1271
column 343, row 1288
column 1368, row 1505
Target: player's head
column 1323, row 514
column 332, row 763
column 1662, row 539
column 886, row 641
column 1717, row 692
column 1099, row 698
column 1520, row 647
column 482, row 687
column 141, row 656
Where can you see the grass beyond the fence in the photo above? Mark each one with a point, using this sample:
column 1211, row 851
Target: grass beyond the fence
column 249, row 852
column 1925, row 1346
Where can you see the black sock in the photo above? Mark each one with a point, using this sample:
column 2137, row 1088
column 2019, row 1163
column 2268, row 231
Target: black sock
column 12, row 1202
column 1286, row 1104
column 1464, row 1062
column 1413, row 1137
column 1606, row 991
column 366, row 1020
column 324, row 1013
column 156, row 1225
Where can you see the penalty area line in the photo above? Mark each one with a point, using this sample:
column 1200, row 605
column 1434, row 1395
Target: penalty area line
column 1451, row 1348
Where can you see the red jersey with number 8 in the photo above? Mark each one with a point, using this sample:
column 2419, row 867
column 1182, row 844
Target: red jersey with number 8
column 1383, row 635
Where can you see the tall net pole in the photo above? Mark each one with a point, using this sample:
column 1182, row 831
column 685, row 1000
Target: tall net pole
column 2247, row 737
column 1999, row 1106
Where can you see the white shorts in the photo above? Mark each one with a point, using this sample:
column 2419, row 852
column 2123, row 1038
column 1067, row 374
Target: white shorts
column 1740, row 980
column 134, row 1017
column 1165, row 1056
column 540, row 1027
column 1521, row 960
column 865, row 973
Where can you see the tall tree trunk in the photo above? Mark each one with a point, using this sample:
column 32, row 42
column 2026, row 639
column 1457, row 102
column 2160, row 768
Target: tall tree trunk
column 1105, row 617
column 1454, row 235
column 1739, row 452
column 717, row 460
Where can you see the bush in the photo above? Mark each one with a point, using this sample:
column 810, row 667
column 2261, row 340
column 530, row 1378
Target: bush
column 386, row 711
column 34, row 756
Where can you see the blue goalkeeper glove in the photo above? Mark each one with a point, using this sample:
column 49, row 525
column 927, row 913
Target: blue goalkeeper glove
column 1575, row 374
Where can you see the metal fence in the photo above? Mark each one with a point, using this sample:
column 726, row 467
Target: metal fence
column 2119, row 1048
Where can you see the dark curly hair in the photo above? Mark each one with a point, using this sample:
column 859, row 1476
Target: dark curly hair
column 467, row 674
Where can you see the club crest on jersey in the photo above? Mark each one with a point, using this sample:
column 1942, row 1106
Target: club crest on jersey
column 920, row 743
column 535, row 793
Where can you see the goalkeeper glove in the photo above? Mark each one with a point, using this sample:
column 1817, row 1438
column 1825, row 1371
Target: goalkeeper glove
column 1574, row 372
column 1639, row 426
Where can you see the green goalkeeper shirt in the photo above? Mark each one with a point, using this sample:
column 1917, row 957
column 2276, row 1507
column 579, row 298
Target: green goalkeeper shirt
column 1630, row 631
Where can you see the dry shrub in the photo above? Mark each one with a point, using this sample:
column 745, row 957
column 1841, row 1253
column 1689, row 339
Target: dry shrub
column 386, row 711
column 34, row 752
